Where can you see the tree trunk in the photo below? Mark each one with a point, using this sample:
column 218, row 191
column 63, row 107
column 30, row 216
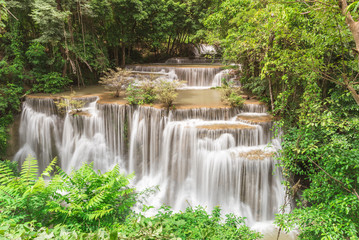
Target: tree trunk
column 168, row 45
column 354, row 28
column 123, row 50
column 173, row 44
column 115, row 55
column 354, row 93
column 271, row 94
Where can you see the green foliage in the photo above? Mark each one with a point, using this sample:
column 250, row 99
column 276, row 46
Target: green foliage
column 230, row 94
column 142, row 92
column 23, row 198
column 191, row 224
column 116, row 80
column 49, row 19
column 3, row 16
column 84, row 199
column 323, row 150
column 66, row 103
column 30, row 230
column 9, row 105
column 37, row 58
column 9, row 100
column 94, row 200
column 134, row 95
column 166, row 90
column 51, row 83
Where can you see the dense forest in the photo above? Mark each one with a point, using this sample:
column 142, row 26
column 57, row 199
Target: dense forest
column 299, row 57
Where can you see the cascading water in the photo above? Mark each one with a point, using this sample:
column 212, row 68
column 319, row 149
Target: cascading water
column 207, row 156
column 196, row 156
column 196, row 60
column 194, row 76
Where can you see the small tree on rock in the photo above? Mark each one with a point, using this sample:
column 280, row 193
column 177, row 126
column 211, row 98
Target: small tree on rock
column 116, row 80
column 166, row 91
column 66, row 103
column 231, row 94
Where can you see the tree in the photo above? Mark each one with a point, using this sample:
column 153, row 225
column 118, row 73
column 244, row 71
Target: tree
column 143, row 91
column 116, row 80
column 166, row 91
column 3, row 16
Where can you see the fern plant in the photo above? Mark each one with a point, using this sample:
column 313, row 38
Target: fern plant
column 23, row 198
column 93, row 199
column 84, row 199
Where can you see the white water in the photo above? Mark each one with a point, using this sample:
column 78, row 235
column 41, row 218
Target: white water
column 196, row 60
column 195, row 156
column 203, row 77
column 191, row 164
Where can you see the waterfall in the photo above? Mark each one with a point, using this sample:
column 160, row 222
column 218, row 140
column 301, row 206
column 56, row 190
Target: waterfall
column 201, row 76
column 207, row 156
column 39, row 131
column 196, row 60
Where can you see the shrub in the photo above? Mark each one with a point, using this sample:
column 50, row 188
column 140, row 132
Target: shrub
column 51, row 83
column 85, row 199
column 134, row 95
column 166, row 91
column 93, row 200
column 69, row 103
column 9, row 104
column 231, row 96
column 148, row 89
column 193, row 223
column 116, row 80
column 141, row 93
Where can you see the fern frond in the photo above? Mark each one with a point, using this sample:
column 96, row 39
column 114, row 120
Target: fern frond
column 49, row 168
column 29, row 170
column 96, row 200
column 99, row 214
column 6, row 174
column 39, row 186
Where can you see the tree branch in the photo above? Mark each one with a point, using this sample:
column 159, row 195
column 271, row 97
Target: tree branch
column 330, row 176
column 10, row 12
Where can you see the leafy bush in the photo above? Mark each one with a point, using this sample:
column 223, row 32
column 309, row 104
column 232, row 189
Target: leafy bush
column 191, row 224
column 69, row 103
column 116, row 80
column 134, row 95
column 231, row 95
column 37, row 58
column 166, row 90
column 84, row 199
column 9, row 99
column 9, row 105
column 141, row 93
column 24, row 198
column 51, row 83
column 148, row 89
column 93, row 200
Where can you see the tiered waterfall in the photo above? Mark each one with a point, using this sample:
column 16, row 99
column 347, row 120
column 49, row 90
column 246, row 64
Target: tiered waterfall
column 208, row 156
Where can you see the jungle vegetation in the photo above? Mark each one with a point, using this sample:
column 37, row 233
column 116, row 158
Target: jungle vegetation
column 300, row 57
